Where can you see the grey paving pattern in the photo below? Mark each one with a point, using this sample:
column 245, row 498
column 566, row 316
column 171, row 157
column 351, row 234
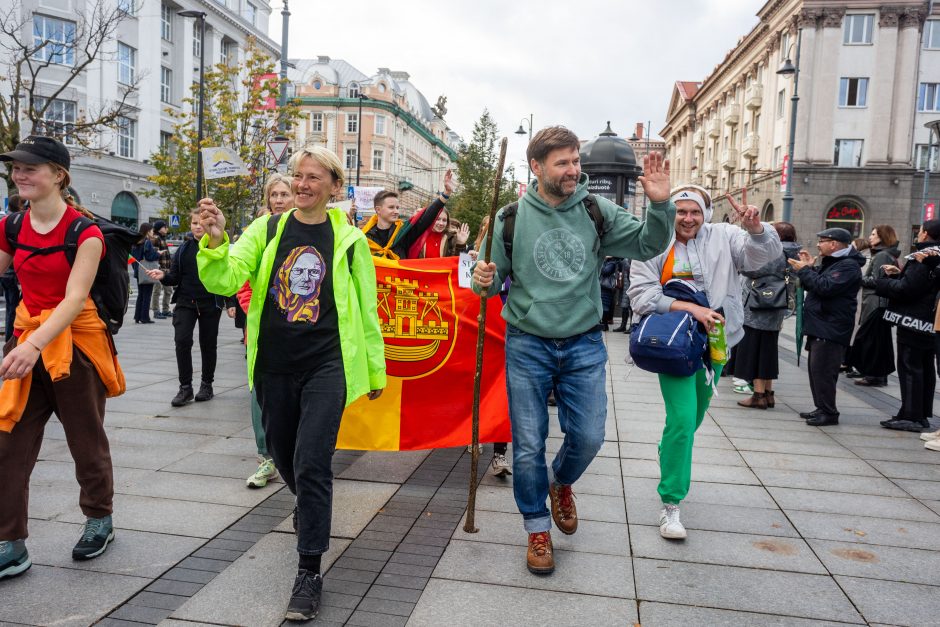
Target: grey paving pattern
column 789, row 524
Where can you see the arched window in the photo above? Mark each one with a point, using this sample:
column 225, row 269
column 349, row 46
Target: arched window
column 768, row 214
column 125, row 210
column 846, row 214
column 353, row 91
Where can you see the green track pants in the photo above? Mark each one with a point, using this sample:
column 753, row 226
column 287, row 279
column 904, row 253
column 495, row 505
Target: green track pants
column 687, row 400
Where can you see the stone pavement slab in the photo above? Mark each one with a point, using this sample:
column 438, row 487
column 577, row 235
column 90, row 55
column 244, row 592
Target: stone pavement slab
column 391, row 467
column 879, row 562
column 746, row 589
column 671, row 614
column 893, row 603
column 466, row 604
column 854, row 504
column 255, row 589
column 862, row 530
column 712, row 517
column 355, row 503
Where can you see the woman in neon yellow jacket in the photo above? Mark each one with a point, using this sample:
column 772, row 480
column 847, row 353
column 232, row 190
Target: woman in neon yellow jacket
column 314, row 344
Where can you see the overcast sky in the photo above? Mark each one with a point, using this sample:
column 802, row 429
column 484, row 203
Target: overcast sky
column 577, row 63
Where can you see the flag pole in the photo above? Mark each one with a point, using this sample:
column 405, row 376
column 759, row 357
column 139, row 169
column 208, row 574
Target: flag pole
column 469, row 526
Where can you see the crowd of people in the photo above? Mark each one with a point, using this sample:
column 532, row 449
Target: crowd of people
column 300, row 282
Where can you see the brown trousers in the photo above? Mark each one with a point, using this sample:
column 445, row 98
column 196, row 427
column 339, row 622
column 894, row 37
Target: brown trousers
column 78, row 401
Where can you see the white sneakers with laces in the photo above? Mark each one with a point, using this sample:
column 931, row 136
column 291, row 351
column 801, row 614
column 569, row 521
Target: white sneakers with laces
column 927, row 437
column 499, row 466
column 670, row 527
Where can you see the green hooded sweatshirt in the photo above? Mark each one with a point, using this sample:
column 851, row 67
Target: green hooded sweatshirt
column 225, row 269
column 557, row 256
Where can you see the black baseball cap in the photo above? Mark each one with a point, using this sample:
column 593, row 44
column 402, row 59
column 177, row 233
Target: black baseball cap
column 36, row 149
column 836, row 234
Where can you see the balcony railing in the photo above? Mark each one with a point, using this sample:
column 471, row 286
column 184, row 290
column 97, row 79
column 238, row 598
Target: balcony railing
column 713, row 128
column 751, row 146
column 729, row 159
column 731, row 115
column 754, row 96
column 698, row 138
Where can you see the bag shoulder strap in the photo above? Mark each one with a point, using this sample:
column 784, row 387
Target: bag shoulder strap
column 508, row 216
column 73, row 233
column 590, row 204
column 272, row 228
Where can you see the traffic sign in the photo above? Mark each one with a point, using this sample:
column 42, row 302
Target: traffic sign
column 350, row 192
column 174, row 221
column 278, row 148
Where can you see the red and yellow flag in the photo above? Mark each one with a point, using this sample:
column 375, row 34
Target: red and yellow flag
column 429, row 324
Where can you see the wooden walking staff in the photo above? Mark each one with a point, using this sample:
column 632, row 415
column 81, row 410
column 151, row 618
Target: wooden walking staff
column 469, row 526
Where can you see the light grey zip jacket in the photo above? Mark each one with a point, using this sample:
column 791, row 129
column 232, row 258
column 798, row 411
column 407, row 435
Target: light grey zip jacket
column 717, row 254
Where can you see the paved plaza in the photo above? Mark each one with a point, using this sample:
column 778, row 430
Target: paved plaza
column 788, row 524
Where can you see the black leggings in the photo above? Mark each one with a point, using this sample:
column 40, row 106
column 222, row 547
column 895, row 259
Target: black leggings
column 184, row 322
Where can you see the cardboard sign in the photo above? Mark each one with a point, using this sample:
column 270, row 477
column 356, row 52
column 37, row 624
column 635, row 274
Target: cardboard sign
column 465, row 270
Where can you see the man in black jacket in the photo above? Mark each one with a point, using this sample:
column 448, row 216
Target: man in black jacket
column 912, row 294
column 828, row 316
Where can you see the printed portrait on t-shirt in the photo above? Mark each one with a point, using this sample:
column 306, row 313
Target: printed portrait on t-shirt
column 296, row 287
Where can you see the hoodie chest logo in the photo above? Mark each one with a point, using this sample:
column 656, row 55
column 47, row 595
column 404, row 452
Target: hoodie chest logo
column 559, row 255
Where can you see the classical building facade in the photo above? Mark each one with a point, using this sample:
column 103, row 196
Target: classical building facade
column 400, row 141
column 869, row 81
column 154, row 47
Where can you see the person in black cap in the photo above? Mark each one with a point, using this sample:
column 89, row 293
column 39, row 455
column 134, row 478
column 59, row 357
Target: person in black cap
column 166, row 260
column 61, row 358
column 828, row 316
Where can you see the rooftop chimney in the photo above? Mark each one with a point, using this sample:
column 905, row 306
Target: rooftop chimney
column 639, row 130
column 323, row 59
column 400, row 76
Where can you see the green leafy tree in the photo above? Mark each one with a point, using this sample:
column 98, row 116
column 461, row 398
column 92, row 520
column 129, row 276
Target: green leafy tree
column 40, row 73
column 476, row 167
column 237, row 116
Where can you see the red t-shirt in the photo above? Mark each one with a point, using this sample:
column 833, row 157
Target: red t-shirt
column 44, row 277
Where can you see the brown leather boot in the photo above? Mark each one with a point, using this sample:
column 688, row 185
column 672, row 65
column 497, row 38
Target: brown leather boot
column 770, row 399
column 564, row 512
column 539, row 558
column 758, row 400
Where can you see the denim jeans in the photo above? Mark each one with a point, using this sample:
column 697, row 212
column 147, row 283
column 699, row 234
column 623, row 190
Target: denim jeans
column 301, row 412
column 575, row 368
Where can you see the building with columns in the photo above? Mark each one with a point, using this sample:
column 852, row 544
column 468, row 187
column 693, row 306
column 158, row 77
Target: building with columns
column 400, row 143
column 869, row 80
column 159, row 50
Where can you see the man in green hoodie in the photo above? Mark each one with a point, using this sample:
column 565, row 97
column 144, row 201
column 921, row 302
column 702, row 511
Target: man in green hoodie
column 553, row 339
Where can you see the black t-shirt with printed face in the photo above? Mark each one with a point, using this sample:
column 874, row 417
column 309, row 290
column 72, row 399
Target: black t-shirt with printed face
column 299, row 324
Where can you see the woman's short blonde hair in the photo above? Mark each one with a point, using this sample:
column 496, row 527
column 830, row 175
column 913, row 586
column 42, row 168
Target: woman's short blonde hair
column 273, row 179
column 326, row 158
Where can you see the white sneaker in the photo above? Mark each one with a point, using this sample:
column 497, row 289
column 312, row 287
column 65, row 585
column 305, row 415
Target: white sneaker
column 669, row 524
column 933, row 445
column 927, row 437
column 499, row 467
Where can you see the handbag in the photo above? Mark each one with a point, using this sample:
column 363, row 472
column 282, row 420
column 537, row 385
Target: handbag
column 673, row 342
column 766, row 294
column 142, row 277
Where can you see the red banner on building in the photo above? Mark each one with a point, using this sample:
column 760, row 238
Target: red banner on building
column 429, row 325
column 270, row 85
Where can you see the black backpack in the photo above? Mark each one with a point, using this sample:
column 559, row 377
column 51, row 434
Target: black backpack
column 508, row 218
column 111, row 287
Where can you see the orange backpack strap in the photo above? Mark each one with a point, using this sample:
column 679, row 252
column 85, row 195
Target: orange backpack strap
column 666, row 273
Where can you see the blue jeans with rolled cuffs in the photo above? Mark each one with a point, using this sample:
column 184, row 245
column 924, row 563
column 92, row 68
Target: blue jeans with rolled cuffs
column 576, row 368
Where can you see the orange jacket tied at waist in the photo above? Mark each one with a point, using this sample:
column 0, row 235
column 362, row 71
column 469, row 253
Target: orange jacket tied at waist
column 87, row 333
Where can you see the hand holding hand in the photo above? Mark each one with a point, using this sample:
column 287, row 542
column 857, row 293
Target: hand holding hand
column 19, row 362
column 655, row 179
column 483, row 274
column 463, row 233
column 449, row 184
column 213, row 221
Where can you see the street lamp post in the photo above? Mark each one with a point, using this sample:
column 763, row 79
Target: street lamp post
column 934, row 128
column 788, row 69
column 201, row 16
column 362, row 97
column 285, row 22
column 522, row 131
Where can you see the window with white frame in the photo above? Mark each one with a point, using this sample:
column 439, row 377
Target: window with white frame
column 920, row 157
column 784, row 46
column 251, row 13
column 379, row 125
column 351, row 159
column 228, row 52
column 166, row 22
column 127, row 63
column 197, row 40
column 848, row 153
column 932, row 34
column 378, row 159
column 781, row 103
column 127, row 137
column 58, row 119
column 54, row 40
column 352, row 122
column 777, row 156
column 853, row 92
column 857, row 29
column 316, row 122
column 353, row 90
column 928, row 97
column 165, row 141
column 166, row 84
column 127, row 7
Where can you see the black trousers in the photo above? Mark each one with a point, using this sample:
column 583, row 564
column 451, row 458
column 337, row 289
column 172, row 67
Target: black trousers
column 918, row 380
column 184, row 322
column 301, row 414
column 825, row 358
column 142, row 306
